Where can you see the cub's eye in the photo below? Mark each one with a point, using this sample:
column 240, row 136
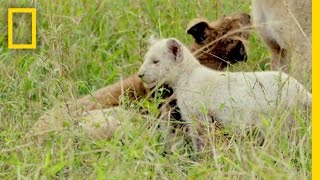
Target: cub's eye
column 156, row 61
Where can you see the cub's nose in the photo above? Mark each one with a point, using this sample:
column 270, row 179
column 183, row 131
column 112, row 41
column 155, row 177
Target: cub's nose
column 141, row 75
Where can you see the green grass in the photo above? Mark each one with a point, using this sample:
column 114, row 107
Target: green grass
column 84, row 45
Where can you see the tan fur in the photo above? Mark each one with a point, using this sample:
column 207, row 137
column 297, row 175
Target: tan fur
column 285, row 27
column 66, row 115
column 109, row 95
column 102, row 124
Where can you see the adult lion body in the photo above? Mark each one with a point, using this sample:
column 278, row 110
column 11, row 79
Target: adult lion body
column 285, row 27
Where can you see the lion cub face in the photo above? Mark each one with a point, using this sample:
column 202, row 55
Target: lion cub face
column 222, row 42
column 161, row 62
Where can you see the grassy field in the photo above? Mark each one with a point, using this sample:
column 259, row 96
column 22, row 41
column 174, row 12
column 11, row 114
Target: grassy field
column 84, row 45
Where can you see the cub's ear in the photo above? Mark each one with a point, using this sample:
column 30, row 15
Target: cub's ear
column 197, row 30
column 152, row 40
column 175, row 48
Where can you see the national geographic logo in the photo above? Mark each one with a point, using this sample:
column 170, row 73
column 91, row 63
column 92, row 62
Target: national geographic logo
column 11, row 12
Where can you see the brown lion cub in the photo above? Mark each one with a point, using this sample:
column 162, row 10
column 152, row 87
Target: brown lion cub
column 217, row 45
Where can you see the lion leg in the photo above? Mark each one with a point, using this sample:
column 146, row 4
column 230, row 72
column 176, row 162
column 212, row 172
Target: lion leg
column 66, row 114
column 110, row 96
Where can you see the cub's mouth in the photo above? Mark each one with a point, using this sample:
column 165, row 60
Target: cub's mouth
column 153, row 84
column 150, row 85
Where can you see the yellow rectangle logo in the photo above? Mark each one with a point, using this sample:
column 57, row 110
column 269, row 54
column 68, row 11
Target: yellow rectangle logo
column 33, row 44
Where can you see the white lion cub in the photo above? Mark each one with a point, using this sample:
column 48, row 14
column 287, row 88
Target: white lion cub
column 238, row 98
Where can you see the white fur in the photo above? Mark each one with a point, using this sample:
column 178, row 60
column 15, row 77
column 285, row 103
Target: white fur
column 237, row 98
